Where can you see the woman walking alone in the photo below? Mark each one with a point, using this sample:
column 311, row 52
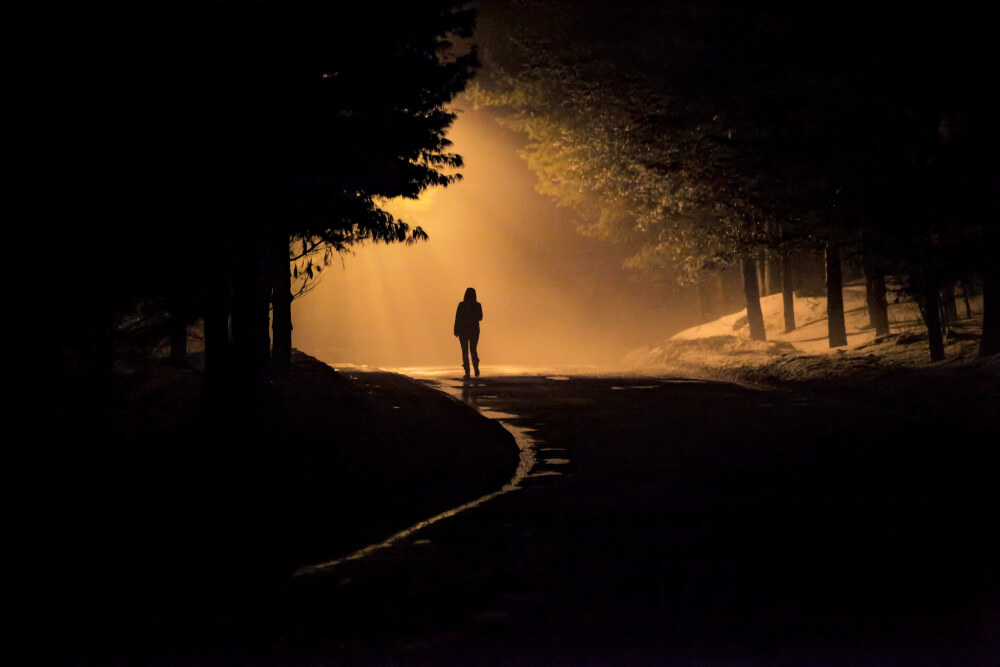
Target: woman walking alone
column 467, row 318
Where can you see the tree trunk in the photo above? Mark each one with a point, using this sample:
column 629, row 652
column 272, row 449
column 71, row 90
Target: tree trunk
column 775, row 258
column 932, row 314
column 250, row 311
column 949, row 304
column 762, row 274
column 835, row 297
column 965, row 298
column 178, row 337
column 869, row 291
column 990, row 343
column 788, row 290
column 878, row 309
column 217, row 341
column 281, row 304
column 755, row 318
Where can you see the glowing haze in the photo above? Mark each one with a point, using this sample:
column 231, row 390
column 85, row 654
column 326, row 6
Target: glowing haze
column 550, row 297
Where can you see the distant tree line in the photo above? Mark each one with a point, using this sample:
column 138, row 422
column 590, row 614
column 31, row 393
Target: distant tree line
column 187, row 160
column 758, row 137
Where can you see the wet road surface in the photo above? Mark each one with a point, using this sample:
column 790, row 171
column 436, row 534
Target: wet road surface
column 675, row 522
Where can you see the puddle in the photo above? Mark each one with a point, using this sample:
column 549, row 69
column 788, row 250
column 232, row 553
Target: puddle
column 636, row 386
column 526, row 462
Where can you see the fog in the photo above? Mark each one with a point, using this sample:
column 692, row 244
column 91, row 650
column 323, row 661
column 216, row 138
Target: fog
column 549, row 296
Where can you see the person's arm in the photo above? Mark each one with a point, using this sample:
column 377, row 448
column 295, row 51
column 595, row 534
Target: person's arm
column 479, row 312
column 458, row 317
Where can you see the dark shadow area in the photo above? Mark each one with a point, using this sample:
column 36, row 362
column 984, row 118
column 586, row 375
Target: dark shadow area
column 696, row 524
column 162, row 526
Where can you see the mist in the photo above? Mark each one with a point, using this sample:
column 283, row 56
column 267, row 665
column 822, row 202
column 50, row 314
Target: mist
column 550, row 296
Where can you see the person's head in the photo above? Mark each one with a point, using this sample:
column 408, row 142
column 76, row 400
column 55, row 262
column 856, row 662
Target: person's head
column 470, row 294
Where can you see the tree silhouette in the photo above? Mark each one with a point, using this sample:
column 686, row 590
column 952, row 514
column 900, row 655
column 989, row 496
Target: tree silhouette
column 199, row 140
column 859, row 131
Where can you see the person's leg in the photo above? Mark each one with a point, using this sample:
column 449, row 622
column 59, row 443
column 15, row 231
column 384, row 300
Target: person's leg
column 464, row 340
column 474, row 348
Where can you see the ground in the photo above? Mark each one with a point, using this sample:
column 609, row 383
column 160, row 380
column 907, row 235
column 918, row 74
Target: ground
column 149, row 511
column 894, row 367
column 158, row 523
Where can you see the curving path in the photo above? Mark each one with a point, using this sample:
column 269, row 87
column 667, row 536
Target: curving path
column 670, row 521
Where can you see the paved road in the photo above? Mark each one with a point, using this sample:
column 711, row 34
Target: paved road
column 691, row 523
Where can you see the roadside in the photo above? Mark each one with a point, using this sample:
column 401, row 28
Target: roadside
column 159, row 525
column 157, row 520
column 678, row 522
column 895, row 368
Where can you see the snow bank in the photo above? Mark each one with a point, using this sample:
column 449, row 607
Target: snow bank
column 723, row 349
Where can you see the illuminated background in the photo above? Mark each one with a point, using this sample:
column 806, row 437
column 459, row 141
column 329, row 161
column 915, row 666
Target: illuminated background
column 549, row 295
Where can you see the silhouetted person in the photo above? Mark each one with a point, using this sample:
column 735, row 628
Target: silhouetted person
column 467, row 319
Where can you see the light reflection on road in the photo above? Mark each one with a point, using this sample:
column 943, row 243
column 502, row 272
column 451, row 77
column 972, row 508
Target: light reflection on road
column 468, row 391
column 506, row 370
column 465, row 391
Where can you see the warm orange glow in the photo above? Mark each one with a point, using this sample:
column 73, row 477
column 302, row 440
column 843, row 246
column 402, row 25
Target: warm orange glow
column 550, row 296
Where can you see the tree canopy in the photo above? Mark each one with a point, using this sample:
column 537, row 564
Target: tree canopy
column 687, row 127
column 177, row 148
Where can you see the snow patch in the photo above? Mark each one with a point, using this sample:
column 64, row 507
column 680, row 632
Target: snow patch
column 723, row 349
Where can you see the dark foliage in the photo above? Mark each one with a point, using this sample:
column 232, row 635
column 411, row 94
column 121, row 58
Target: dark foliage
column 173, row 149
column 867, row 127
